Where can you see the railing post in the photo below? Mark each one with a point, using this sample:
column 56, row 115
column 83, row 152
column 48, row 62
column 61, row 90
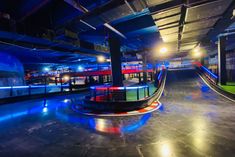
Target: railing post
column 108, row 98
column 61, row 85
column 138, row 96
column 70, row 85
column 144, row 92
column 29, row 89
column 125, row 93
column 11, row 91
column 148, row 91
column 45, row 86
column 95, row 94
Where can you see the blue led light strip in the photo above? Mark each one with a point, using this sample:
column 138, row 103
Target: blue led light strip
column 208, row 71
column 117, row 88
column 159, row 76
column 25, row 87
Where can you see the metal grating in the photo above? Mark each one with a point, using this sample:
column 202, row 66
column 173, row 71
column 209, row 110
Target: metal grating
column 138, row 5
column 176, row 24
column 199, row 25
column 166, row 13
column 207, row 10
column 170, row 38
column 187, row 47
column 195, row 34
column 156, row 2
column 189, row 43
column 116, row 13
column 169, row 31
column 168, row 20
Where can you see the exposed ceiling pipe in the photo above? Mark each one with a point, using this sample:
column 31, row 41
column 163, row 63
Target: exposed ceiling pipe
column 34, row 9
column 77, row 5
column 130, row 7
column 114, row 30
column 84, row 22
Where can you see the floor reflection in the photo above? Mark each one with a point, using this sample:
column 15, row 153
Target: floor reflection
column 106, row 125
column 200, row 135
column 63, row 112
column 165, row 149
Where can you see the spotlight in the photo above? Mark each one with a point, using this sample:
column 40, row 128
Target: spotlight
column 197, row 53
column 80, row 68
column 100, row 58
column 66, row 100
column 163, row 50
column 45, row 109
column 66, row 78
column 46, row 69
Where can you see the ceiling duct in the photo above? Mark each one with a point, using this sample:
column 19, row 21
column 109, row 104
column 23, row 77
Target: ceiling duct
column 156, row 2
column 93, row 21
column 77, row 5
column 121, row 11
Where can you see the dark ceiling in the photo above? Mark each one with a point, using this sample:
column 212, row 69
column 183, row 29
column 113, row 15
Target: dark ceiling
column 61, row 31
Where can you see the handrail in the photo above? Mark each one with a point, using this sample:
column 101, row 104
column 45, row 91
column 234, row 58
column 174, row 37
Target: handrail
column 125, row 105
column 108, row 91
column 211, row 76
column 28, row 90
column 31, row 86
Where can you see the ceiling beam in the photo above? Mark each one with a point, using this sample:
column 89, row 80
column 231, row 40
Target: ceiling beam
column 181, row 24
column 33, row 9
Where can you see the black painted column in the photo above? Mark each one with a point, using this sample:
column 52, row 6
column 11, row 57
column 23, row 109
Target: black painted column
column 101, row 79
column 139, row 76
column 114, row 45
column 222, row 60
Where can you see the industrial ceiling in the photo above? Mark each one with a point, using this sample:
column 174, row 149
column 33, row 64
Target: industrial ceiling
column 73, row 29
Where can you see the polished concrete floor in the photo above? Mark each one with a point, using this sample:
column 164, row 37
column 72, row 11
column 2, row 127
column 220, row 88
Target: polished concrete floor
column 193, row 122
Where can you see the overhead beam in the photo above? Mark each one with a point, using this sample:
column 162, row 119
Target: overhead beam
column 33, row 9
column 181, row 24
column 54, row 47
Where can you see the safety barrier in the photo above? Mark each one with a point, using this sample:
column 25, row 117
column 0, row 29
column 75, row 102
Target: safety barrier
column 109, row 100
column 212, row 80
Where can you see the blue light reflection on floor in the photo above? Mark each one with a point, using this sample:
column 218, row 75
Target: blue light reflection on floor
column 21, row 113
column 137, row 125
column 42, row 107
column 106, row 125
column 63, row 112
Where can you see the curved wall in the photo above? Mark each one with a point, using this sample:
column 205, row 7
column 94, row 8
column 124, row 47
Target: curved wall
column 11, row 74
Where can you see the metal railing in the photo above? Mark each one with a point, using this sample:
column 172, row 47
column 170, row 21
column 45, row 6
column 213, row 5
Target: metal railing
column 211, row 76
column 13, row 91
column 109, row 93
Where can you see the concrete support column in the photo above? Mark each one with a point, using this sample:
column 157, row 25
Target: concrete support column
column 114, row 45
column 222, row 60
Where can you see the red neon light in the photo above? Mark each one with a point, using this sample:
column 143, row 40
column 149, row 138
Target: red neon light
column 197, row 64
column 106, row 72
